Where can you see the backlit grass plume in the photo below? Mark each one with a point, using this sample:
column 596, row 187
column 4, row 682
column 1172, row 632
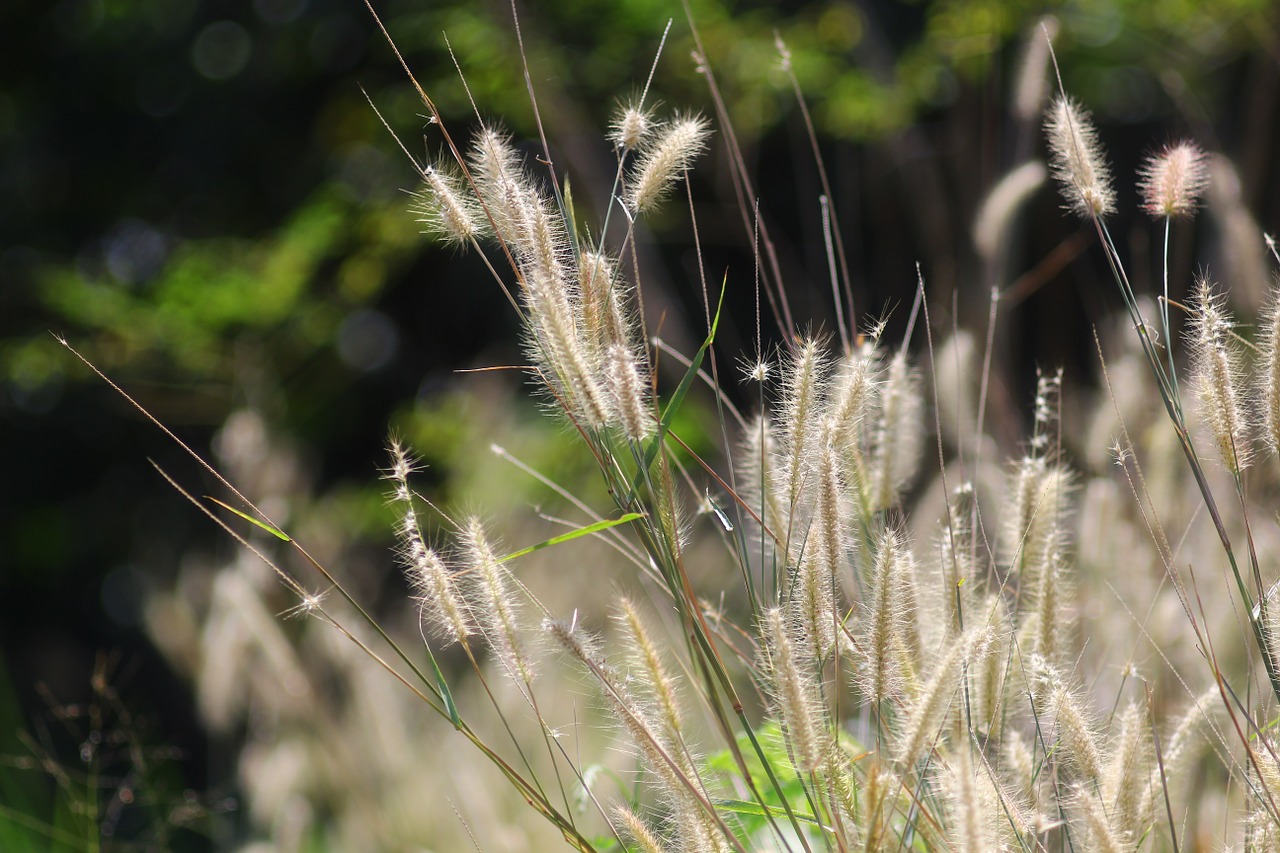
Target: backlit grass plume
column 867, row 638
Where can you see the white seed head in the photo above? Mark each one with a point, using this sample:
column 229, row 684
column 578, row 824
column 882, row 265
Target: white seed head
column 446, row 210
column 1172, row 181
column 1078, row 161
column 664, row 160
column 631, row 127
column 1218, row 374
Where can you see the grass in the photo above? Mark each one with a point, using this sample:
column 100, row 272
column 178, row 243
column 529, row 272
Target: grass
column 820, row 641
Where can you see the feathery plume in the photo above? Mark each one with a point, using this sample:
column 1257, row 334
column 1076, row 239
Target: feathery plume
column 1126, row 777
column 446, row 211
column 1076, row 743
column 1217, row 371
column 1078, row 162
column 804, row 379
column 664, row 160
column 496, row 609
column 794, row 697
column 628, row 392
column 1172, row 181
column 890, row 645
column 605, row 319
column 501, row 181
column 630, row 127
column 1268, row 376
column 646, row 662
column 440, row 602
column 1034, row 515
column 812, row 599
column 635, row 830
column 899, row 436
column 674, row 775
column 931, row 709
column 975, row 804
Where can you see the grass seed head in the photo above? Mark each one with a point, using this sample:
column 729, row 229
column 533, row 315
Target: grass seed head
column 664, row 159
column 1172, row 181
column 1078, row 161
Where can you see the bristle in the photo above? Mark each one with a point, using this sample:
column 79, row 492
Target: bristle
column 1218, row 374
column 1172, row 181
column 1078, row 163
column 664, row 160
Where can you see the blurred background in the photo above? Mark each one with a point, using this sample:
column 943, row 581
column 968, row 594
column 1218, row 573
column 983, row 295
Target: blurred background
column 198, row 196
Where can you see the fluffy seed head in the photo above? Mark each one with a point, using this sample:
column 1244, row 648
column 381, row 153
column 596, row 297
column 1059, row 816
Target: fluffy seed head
column 1218, row 374
column 1172, row 181
column 1078, row 161
column 1268, row 377
column 631, row 126
column 628, row 392
column 1077, row 746
column 797, row 705
column 899, row 437
column 664, row 160
column 446, row 211
column 496, row 608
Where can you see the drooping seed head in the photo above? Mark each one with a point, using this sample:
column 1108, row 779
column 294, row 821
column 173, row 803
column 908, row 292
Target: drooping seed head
column 1078, row 161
